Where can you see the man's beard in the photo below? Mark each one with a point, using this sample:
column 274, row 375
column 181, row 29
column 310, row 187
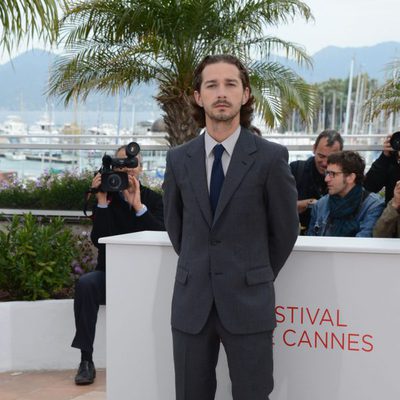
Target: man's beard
column 223, row 116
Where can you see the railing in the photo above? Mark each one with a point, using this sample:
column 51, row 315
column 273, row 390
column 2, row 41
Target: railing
column 85, row 151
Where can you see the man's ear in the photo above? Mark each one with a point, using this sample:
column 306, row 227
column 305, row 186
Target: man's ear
column 351, row 178
column 197, row 97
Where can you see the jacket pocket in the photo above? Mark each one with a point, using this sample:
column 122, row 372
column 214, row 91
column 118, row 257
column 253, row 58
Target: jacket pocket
column 259, row 275
column 181, row 275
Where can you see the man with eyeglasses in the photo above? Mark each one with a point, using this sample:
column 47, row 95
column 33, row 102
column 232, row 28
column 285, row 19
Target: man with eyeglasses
column 134, row 209
column 348, row 210
column 309, row 174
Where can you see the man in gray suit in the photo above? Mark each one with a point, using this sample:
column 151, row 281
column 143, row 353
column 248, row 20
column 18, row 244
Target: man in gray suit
column 231, row 215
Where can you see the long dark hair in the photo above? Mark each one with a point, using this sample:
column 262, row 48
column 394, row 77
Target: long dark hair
column 246, row 111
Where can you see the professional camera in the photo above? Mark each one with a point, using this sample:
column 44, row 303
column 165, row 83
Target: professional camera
column 114, row 181
column 395, row 141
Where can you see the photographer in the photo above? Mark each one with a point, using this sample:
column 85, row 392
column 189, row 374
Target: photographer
column 310, row 174
column 133, row 209
column 348, row 210
column 388, row 224
column 385, row 171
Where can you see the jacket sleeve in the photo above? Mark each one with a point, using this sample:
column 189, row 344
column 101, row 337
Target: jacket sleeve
column 283, row 221
column 386, row 226
column 376, row 177
column 311, row 230
column 153, row 218
column 372, row 213
column 103, row 225
column 173, row 206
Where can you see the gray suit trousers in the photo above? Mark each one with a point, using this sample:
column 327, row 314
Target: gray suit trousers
column 249, row 358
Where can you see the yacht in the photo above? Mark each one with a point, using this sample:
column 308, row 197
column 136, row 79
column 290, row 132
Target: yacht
column 13, row 125
column 15, row 156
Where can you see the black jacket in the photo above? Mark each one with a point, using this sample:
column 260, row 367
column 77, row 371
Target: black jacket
column 384, row 172
column 310, row 184
column 119, row 218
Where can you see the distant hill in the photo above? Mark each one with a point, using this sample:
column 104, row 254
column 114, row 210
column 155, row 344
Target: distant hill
column 334, row 62
column 23, row 81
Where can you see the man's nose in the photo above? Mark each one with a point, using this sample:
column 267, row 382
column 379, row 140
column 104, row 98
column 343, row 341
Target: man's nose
column 221, row 92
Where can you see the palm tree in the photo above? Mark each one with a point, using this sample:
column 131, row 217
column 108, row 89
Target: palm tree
column 27, row 19
column 385, row 98
column 114, row 44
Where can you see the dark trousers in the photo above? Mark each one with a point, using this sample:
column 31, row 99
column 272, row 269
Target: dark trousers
column 90, row 293
column 249, row 360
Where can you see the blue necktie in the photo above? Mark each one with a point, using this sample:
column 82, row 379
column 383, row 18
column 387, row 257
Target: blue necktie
column 217, row 177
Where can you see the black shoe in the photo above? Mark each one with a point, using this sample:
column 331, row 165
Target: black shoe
column 86, row 373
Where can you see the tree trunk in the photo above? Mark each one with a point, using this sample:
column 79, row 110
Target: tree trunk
column 181, row 127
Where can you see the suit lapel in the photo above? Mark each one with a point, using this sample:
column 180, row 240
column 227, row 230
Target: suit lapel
column 241, row 161
column 195, row 165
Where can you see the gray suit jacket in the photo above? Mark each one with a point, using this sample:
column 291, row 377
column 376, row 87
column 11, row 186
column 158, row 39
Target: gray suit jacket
column 233, row 258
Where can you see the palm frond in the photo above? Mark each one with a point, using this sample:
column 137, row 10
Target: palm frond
column 24, row 20
column 114, row 44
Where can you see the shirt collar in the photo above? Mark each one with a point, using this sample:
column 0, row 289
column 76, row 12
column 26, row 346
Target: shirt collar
column 228, row 143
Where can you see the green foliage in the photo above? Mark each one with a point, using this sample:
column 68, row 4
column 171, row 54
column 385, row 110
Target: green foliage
column 49, row 192
column 386, row 98
column 85, row 255
column 26, row 20
column 35, row 258
column 112, row 45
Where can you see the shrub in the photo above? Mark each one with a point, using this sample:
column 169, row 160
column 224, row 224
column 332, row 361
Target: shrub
column 62, row 191
column 36, row 258
column 85, row 255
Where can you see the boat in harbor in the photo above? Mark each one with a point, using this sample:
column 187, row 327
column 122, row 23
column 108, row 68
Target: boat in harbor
column 53, row 156
column 15, row 155
column 13, row 125
column 39, row 132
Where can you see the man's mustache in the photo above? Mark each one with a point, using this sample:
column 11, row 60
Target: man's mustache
column 221, row 102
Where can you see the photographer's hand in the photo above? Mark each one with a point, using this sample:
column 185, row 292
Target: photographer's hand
column 132, row 194
column 396, row 196
column 101, row 196
column 302, row 205
column 387, row 148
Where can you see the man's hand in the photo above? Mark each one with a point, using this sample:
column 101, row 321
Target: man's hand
column 396, row 196
column 302, row 205
column 101, row 196
column 132, row 193
column 387, row 148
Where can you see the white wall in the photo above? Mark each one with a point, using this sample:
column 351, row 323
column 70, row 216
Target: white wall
column 37, row 335
column 331, row 287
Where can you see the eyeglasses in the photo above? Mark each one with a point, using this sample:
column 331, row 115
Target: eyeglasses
column 332, row 174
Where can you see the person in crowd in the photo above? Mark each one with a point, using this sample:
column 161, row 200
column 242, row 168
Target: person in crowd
column 134, row 209
column 384, row 171
column 388, row 224
column 310, row 174
column 230, row 212
column 348, row 209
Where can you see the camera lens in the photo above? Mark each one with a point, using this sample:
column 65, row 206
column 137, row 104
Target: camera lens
column 132, row 149
column 114, row 181
column 395, row 141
